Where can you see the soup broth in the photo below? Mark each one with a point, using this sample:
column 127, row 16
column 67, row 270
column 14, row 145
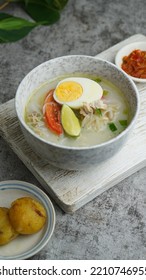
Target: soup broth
column 100, row 122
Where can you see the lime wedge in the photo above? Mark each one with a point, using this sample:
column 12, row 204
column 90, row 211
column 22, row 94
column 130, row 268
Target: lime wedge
column 69, row 121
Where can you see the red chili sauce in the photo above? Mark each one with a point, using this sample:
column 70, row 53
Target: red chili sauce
column 135, row 64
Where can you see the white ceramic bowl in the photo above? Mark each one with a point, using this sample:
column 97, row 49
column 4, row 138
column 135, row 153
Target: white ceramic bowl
column 25, row 246
column 125, row 51
column 75, row 158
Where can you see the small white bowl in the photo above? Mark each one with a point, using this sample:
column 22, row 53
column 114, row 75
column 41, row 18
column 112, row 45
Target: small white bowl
column 125, row 51
column 25, row 246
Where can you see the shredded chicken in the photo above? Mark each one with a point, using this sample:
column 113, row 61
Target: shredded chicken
column 99, row 104
column 97, row 114
column 89, row 108
column 86, row 109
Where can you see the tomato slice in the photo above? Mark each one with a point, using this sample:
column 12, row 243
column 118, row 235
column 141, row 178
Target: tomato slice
column 52, row 113
column 49, row 97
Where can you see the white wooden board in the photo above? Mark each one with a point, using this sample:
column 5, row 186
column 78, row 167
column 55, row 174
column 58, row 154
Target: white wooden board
column 73, row 189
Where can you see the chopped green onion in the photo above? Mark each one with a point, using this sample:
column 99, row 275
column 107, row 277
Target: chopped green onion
column 123, row 122
column 105, row 92
column 98, row 111
column 112, row 127
column 97, row 80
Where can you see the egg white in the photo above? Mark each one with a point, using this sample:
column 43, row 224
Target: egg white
column 92, row 92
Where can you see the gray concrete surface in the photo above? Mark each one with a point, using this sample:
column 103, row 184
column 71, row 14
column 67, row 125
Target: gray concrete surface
column 112, row 226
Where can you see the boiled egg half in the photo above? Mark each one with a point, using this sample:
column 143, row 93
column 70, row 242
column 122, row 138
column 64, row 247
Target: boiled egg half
column 75, row 91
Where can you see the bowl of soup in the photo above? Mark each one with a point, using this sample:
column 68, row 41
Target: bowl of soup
column 76, row 111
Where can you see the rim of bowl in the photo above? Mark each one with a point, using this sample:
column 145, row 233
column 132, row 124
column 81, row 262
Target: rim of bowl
column 130, row 47
column 86, row 147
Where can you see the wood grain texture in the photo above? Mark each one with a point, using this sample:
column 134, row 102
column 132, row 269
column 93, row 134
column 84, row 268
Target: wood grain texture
column 73, row 189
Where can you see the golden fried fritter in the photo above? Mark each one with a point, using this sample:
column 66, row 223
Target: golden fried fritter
column 27, row 215
column 7, row 232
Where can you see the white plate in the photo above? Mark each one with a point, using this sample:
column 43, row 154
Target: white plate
column 25, row 246
column 125, row 51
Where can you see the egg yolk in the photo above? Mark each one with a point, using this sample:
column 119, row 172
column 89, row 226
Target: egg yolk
column 69, row 91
